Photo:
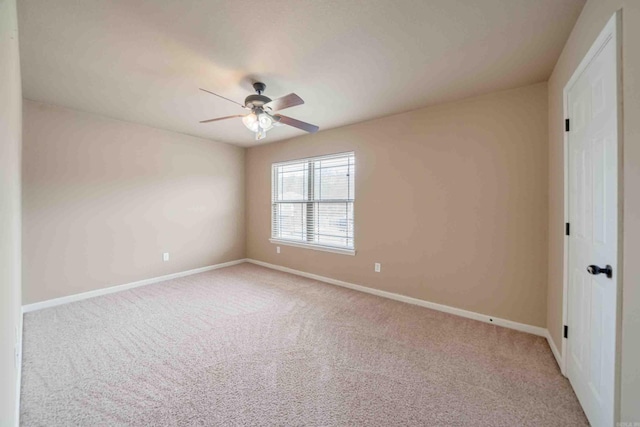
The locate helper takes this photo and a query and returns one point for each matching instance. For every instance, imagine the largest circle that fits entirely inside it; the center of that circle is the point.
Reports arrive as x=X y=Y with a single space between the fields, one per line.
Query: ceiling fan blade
x=221 y=118
x=220 y=96
x=308 y=127
x=286 y=101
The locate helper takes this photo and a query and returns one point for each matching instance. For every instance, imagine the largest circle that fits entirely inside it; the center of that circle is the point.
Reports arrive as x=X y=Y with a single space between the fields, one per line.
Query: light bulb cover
x=251 y=122
x=265 y=121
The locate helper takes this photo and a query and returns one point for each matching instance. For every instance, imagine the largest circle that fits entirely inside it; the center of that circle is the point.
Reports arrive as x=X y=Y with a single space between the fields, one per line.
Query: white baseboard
x=535 y=330
x=554 y=350
x=19 y=379
x=119 y=288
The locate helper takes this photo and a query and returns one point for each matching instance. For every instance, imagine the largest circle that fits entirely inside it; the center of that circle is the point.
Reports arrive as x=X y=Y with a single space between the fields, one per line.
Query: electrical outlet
x=277 y=249
x=165 y=256
x=376 y=267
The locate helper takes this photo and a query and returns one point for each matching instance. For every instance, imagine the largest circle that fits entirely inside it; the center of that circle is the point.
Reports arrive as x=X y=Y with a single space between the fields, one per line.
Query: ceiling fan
x=261 y=118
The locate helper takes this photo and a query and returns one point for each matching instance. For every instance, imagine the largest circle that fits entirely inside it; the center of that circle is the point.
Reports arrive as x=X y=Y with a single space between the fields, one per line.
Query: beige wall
x=103 y=199
x=593 y=18
x=10 y=149
x=452 y=200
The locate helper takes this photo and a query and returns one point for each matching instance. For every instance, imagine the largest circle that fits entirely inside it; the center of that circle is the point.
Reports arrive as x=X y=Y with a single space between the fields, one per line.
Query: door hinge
x=567 y=229
x=567 y=127
x=566 y=331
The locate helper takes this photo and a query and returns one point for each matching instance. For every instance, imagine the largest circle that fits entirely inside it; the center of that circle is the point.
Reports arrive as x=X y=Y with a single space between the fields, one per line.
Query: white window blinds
x=312 y=201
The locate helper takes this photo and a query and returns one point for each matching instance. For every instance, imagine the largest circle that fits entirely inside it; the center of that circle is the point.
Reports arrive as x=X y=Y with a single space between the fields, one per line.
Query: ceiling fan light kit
x=258 y=124
x=261 y=119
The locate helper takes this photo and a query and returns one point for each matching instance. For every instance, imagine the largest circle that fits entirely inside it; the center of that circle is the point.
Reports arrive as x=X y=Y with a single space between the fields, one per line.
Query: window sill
x=314 y=247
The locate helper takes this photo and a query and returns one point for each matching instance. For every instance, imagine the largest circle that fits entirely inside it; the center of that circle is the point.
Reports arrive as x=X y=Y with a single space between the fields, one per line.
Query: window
x=312 y=202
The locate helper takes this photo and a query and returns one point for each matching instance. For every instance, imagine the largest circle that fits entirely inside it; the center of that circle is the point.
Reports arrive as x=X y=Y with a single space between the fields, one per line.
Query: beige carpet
x=246 y=345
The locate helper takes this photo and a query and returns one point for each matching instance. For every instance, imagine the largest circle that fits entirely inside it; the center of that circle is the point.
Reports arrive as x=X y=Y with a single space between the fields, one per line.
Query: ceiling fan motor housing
x=256 y=101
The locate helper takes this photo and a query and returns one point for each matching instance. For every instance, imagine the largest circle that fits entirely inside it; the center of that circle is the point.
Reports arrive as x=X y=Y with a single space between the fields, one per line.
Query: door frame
x=611 y=31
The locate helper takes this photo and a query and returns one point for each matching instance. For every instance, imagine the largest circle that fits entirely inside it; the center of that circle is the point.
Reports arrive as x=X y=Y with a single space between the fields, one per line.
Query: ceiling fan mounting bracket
x=259 y=87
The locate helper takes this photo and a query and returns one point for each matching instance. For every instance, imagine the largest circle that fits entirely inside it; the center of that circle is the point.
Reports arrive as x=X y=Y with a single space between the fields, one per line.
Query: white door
x=592 y=148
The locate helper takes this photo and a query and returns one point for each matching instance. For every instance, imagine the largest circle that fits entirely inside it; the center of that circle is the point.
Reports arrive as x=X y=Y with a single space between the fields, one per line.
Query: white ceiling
x=350 y=60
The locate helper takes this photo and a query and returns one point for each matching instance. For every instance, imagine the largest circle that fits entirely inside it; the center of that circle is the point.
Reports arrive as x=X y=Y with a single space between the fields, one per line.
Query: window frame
x=311 y=176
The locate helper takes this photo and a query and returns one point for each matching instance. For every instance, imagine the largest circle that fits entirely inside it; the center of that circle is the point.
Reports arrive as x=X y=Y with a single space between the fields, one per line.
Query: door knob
x=594 y=269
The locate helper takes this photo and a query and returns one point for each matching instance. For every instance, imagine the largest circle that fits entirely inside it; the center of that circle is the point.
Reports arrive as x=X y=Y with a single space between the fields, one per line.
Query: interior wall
x=592 y=20
x=10 y=152
x=104 y=199
x=451 y=200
